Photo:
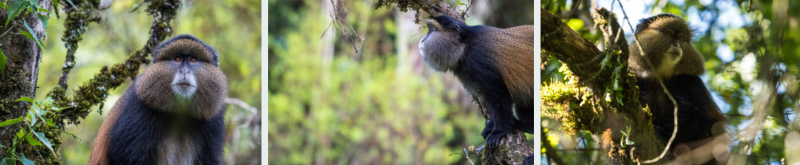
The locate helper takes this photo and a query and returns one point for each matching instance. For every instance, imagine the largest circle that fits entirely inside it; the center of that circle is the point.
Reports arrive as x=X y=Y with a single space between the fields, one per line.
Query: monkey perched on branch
x=172 y=114
x=495 y=65
x=670 y=57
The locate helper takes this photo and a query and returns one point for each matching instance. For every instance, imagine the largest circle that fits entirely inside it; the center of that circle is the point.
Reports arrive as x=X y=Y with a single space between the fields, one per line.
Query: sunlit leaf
x=575 y=24
x=21 y=132
x=11 y=121
x=26 y=99
x=32 y=141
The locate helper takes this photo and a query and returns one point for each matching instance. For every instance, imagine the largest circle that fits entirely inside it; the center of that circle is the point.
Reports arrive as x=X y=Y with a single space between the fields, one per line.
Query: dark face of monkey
x=666 y=42
x=443 y=46
x=184 y=79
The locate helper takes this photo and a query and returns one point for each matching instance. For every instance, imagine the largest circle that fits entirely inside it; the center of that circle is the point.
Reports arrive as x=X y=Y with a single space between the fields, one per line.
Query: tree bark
x=614 y=95
x=21 y=71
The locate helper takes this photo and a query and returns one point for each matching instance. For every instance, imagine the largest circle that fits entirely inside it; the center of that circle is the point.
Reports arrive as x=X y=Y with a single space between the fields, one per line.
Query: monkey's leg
x=525 y=115
x=502 y=122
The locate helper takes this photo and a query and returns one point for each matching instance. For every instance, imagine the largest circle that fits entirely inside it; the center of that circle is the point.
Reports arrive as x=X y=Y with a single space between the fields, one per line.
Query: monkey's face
x=666 y=42
x=442 y=47
x=184 y=78
x=184 y=83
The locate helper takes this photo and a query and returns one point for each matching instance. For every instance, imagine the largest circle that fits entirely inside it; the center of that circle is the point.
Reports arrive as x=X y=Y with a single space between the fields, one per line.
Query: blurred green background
x=737 y=40
x=232 y=27
x=329 y=104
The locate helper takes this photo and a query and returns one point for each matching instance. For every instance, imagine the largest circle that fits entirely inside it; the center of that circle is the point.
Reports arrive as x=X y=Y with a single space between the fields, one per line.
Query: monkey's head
x=666 y=42
x=184 y=79
x=444 y=44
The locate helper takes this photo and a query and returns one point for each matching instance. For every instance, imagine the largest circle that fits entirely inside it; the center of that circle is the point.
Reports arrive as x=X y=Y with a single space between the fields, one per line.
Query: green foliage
x=16 y=7
x=329 y=105
x=35 y=114
x=236 y=36
x=31 y=35
x=768 y=34
x=2 y=62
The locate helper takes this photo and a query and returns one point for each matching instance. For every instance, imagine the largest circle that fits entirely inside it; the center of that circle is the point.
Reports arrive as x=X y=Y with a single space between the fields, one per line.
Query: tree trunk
x=21 y=71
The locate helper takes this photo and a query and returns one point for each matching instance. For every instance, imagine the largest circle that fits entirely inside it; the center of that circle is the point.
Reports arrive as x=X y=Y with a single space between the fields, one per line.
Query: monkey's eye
x=668 y=33
x=177 y=59
x=193 y=59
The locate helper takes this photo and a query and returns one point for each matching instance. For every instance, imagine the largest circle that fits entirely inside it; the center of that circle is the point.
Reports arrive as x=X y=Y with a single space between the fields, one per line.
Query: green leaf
x=55 y=3
x=3 y=5
x=43 y=18
x=32 y=35
x=50 y=122
x=32 y=141
x=45 y=140
x=575 y=24
x=26 y=99
x=74 y=136
x=48 y=100
x=26 y=161
x=32 y=115
x=16 y=8
x=39 y=111
x=70 y=3
x=21 y=133
x=11 y=121
x=62 y=108
x=2 y=62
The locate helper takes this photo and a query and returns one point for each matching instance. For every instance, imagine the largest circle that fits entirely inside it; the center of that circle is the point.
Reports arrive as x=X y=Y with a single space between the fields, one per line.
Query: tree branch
x=607 y=97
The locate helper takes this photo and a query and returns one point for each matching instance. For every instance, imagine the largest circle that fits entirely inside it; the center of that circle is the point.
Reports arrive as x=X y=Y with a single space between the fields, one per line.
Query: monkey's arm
x=213 y=138
x=99 y=153
x=134 y=136
x=697 y=112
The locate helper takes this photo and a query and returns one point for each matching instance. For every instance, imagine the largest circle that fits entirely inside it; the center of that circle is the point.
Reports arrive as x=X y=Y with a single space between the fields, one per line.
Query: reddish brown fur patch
x=99 y=153
x=516 y=61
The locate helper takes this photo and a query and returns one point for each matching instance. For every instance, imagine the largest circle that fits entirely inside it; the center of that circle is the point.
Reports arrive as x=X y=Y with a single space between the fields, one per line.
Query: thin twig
x=674 y=103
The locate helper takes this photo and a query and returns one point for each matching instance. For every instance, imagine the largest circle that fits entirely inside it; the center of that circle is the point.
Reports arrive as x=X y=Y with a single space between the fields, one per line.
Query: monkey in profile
x=665 y=40
x=495 y=65
x=172 y=114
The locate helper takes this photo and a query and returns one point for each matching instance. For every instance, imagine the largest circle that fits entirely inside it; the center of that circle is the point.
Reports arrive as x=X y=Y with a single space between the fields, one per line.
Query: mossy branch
x=600 y=95
x=95 y=91
x=513 y=148
x=432 y=7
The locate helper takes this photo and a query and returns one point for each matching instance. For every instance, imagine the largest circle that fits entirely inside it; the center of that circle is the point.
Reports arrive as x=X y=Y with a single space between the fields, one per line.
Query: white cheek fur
x=422 y=48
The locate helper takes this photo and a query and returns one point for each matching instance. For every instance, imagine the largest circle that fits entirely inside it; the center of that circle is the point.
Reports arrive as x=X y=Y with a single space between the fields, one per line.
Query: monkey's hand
x=497 y=132
x=487 y=129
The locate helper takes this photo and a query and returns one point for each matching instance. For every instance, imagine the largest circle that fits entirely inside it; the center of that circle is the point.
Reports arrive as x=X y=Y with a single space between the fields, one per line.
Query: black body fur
x=140 y=130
